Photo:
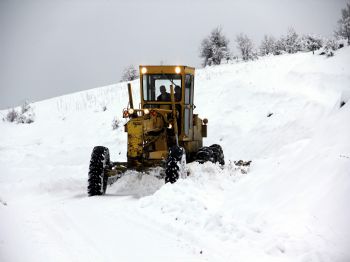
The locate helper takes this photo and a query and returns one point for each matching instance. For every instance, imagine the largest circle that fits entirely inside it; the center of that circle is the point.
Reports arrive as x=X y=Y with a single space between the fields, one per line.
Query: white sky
x=50 y=48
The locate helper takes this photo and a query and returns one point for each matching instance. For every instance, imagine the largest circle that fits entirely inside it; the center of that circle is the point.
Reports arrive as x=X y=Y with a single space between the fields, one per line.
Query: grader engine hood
x=146 y=132
x=135 y=138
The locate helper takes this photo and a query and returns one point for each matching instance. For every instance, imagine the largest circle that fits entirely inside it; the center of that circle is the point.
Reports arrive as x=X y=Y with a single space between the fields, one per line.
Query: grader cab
x=163 y=132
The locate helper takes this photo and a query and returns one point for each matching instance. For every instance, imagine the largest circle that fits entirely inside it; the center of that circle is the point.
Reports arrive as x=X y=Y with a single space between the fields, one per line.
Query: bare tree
x=344 y=24
x=214 y=48
x=130 y=73
x=246 y=47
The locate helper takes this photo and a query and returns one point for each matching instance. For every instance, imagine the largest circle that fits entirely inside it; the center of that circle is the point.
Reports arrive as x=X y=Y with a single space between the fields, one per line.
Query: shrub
x=25 y=116
x=115 y=123
x=11 y=115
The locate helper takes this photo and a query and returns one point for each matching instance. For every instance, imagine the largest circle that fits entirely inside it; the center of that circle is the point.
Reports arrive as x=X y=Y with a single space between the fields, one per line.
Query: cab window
x=153 y=82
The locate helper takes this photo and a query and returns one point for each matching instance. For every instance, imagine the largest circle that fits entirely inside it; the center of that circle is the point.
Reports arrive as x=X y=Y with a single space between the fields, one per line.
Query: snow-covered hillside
x=292 y=205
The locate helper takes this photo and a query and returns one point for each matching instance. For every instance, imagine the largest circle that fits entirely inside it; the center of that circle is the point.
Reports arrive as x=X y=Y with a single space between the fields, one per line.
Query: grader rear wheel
x=205 y=154
x=218 y=154
x=213 y=153
x=97 y=182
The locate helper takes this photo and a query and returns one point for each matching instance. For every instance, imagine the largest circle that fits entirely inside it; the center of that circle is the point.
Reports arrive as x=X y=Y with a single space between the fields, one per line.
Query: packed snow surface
x=283 y=113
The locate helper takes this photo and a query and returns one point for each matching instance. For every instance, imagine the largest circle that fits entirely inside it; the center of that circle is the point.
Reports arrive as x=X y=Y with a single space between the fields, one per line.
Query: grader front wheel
x=175 y=164
x=97 y=182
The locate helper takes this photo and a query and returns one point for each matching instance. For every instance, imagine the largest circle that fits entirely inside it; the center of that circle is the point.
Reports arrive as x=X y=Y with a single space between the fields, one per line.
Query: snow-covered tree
x=267 y=45
x=214 y=48
x=246 y=47
x=330 y=46
x=344 y=24
x=292 y=41
x=129 y=73
x=289 y=43
x=311 y=43
x=280 y=46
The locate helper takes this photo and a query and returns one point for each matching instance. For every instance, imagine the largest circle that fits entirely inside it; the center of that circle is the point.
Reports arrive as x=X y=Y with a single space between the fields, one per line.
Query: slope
x=291 y=206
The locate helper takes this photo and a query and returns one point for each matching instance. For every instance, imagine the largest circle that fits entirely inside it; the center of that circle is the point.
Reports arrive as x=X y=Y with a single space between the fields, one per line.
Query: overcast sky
x=50 y=48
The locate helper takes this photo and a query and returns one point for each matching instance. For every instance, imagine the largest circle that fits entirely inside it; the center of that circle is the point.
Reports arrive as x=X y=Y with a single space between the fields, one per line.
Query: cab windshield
x=156 y=87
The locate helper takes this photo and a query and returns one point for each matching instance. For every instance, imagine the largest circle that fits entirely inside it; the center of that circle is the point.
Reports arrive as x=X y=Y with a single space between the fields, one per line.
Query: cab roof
x=166 y=69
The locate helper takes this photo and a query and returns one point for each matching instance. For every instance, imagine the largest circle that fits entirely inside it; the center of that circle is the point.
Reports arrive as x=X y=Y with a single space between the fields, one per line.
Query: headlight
x=130 y=111
x=125 y=114
x=143 y=70
x=146 y=111
x=177 y=70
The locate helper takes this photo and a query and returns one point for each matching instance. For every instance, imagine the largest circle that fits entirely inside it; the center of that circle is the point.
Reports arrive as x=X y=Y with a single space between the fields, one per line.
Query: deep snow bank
x=291 y=206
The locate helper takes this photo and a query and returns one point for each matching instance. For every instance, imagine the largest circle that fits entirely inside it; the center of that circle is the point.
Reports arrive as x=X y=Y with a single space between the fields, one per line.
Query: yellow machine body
x=159 y=124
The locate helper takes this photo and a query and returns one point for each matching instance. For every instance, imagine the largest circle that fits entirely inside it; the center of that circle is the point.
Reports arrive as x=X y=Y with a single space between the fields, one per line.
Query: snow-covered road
x=77 y=228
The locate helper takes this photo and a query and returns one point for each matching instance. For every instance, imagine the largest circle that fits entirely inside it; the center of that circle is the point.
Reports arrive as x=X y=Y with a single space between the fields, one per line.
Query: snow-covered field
x=292 y=205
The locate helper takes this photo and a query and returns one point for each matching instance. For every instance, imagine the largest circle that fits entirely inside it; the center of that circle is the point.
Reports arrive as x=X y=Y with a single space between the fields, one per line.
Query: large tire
x=218 y=154
x=212 y=154
x=97 y=182
x=171 y=171
x=174 y=164
x=205 y=154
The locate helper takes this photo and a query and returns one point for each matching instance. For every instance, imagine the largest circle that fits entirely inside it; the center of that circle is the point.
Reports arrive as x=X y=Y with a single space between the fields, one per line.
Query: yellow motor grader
x=163 y=132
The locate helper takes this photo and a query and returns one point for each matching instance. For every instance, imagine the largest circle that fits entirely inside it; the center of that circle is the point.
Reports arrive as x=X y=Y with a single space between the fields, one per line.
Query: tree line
x=214 y=48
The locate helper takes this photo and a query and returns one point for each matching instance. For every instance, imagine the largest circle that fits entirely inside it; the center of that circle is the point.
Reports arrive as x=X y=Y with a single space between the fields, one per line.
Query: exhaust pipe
x=131 y=102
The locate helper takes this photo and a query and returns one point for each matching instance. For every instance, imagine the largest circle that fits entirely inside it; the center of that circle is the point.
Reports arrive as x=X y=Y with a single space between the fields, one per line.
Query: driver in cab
x=164 y=95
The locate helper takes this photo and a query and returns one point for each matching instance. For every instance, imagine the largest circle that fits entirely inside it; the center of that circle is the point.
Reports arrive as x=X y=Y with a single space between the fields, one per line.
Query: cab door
x=188 y=105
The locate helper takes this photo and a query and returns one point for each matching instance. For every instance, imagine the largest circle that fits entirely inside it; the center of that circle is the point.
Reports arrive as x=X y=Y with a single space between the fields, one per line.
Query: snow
x=292 y=205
